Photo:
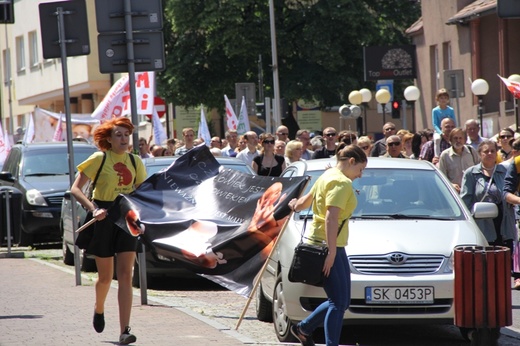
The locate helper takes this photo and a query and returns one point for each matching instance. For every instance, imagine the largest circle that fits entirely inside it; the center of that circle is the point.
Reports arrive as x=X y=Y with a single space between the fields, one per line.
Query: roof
x=415 y=28
x=473 y=11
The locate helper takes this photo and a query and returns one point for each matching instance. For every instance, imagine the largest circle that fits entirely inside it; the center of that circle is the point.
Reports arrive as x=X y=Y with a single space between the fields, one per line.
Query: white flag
x=203 y=128
x=58 y=133
x=117 y=101
x=243 y=119
x=158 y=129
x=5 y=145
x=29 y=131
x=231 y=118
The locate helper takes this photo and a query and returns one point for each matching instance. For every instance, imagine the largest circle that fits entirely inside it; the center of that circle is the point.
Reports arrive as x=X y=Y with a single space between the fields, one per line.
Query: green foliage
x=211 y=45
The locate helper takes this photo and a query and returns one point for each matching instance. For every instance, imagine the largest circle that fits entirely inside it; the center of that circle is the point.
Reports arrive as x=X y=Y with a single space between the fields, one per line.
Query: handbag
x=84 y=237
x=308 y=260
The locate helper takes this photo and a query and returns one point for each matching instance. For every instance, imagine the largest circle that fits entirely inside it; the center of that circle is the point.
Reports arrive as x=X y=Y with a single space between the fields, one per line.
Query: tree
x=211 y=45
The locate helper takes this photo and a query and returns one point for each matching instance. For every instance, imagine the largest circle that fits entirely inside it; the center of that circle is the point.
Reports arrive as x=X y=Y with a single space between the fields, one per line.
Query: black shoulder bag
x=84 y=237
x=309 y=259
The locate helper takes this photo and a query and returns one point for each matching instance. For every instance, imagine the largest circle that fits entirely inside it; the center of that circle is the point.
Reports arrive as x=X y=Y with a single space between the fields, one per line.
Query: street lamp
x=479 y=88
x=367 y=96
x=356 y=98
x=515 y=78
x=412 y=94
x=382 y=97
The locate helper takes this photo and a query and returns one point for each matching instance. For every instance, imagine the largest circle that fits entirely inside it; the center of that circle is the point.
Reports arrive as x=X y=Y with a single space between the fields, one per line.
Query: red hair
x=104 y=131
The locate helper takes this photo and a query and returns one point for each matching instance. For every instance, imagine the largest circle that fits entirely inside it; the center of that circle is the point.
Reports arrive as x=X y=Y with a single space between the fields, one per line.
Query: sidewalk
x=41 y=305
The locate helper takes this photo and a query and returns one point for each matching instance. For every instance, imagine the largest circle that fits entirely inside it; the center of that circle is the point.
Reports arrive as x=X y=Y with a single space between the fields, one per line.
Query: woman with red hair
x=119 y=172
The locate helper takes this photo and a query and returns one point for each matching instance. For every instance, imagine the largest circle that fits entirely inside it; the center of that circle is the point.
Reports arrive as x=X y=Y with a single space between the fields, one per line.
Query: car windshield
x=401 y=194
x=39 y=162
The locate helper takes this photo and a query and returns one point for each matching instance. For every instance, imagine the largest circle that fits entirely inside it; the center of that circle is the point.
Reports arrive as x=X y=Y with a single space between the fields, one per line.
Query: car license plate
x=399 y=295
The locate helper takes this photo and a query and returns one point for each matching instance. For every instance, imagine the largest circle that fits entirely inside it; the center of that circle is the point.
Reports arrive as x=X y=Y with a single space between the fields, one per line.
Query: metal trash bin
x=15 y=214
x=482 y=296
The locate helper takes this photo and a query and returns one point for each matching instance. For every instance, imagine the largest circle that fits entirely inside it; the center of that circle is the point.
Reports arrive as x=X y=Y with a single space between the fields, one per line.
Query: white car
x=402 y=235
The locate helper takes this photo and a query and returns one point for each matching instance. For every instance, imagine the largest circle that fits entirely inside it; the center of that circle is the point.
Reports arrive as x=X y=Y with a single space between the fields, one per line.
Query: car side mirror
x=484 y=210
x=7 y=176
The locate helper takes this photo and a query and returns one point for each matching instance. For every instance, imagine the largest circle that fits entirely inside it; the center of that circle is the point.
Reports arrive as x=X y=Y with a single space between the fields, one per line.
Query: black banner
x=218 y=222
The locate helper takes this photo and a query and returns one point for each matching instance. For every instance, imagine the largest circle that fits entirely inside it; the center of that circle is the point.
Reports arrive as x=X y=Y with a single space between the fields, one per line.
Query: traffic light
x=396 y=109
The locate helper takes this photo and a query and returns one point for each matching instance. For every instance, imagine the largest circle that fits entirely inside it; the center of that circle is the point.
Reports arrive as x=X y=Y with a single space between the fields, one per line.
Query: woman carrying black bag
x=121 y=173
x=334 y=202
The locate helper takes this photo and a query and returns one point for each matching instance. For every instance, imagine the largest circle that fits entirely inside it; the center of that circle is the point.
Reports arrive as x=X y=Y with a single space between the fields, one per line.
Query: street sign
x=76 y=26
x=146 y=15
x=148 y=52
x=454 y=82
x=160 y=107
x=388 y=85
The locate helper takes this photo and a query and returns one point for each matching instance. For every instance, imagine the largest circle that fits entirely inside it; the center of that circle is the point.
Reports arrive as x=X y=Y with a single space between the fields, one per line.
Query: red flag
x=232 y=121
x=512 y=86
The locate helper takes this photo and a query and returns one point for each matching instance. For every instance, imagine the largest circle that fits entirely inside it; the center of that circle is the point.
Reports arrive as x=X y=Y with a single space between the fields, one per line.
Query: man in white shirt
x=472 y=128
x=250 y=152
x=230 y=149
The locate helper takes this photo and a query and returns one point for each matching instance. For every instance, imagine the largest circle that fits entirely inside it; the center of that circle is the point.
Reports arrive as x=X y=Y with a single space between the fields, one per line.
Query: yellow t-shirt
x=117 y=175
x=332 y=189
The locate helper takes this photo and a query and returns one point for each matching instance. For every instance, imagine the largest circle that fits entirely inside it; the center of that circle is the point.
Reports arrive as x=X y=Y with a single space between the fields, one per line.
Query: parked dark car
x=155 y=265
x=41 y=172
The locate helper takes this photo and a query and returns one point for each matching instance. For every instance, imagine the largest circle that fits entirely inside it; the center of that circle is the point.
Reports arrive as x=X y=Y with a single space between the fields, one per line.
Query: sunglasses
x=505 y=136
x=390 y=129
x=330 y=134
x=365 y=147
x=394 y=144
x=283 y=133
x=268 y=141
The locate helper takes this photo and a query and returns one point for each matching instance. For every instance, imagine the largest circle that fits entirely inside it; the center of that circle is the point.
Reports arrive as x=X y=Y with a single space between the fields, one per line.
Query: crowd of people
x=479 y=169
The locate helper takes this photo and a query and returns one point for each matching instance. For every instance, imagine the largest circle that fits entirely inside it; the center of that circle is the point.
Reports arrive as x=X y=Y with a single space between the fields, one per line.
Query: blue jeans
x=330 y=312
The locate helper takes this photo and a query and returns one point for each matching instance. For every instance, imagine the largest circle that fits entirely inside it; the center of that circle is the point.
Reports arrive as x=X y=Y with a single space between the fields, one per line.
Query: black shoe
x=305 y=340
x=99 y=322
x=127 y=338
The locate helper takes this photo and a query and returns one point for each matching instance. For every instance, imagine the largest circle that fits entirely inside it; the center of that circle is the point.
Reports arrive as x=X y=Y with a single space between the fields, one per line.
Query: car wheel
x=282 y=323
x=88 y=264
x=264 y=308
x=68 y=256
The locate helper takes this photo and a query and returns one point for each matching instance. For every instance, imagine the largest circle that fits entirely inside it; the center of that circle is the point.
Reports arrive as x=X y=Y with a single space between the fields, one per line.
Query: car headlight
x=34 y=197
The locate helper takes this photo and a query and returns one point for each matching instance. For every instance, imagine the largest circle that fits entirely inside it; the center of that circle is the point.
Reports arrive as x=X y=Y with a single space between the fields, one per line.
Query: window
x=20 y=54
x=33 y=49
x=446 y=52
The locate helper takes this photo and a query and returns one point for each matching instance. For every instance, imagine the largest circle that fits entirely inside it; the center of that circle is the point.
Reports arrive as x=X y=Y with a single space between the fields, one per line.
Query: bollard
x=482 y=296
x=10 y=218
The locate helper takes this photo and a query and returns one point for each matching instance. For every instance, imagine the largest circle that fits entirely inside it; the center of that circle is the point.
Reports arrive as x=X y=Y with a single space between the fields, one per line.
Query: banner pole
x=260 y=273
x=264 y=267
